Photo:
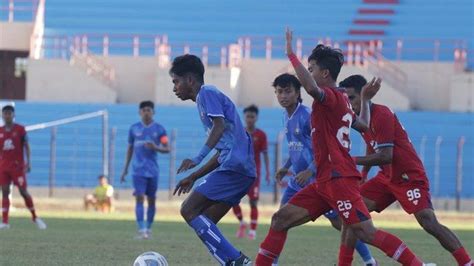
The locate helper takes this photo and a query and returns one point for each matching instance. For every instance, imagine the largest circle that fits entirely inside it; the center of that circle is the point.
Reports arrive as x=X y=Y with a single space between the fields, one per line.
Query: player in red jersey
x=260 y=146
x=337 y=179
x=402 y=176
x=13 y=167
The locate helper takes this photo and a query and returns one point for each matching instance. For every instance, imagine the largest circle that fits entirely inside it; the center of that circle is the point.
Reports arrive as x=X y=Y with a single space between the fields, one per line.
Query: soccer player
x=14 y=165
x=102 y=198
x=145 y=139
x=402 y=176
x=231 y=170
x=337 y=178
x=297 y=120
x=260 y=146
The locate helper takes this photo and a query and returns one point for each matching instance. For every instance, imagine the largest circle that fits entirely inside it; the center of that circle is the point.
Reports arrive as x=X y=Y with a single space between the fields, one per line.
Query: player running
x=231 y=170
x=13 y=166
x=260 y=146
x=145 y=139
x=402 y=176
x=297 y=120
x=337 y=178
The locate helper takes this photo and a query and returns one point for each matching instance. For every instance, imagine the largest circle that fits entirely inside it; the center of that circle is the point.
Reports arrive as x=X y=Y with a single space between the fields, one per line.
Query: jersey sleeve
x=384 y=129
x=162 y=137
x=211 y=103
x=131 y=137
x=328 y=98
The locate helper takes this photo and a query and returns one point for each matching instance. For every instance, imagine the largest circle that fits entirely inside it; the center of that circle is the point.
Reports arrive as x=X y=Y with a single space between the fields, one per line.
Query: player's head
x=103 y=180
x=187 y=74
x=147 y=110
x=251 y=115
x=8 y=114
x=353 y=85
x=287 y=89
x=325 y=63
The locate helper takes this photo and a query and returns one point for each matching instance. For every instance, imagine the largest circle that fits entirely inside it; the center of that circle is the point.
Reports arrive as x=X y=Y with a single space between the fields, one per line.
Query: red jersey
x=386 y=131
x=260 y=145
x=331 y=119
x=11 y=145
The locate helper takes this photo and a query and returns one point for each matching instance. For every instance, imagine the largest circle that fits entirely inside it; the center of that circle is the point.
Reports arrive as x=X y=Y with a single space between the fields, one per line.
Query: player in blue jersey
x=297 y=120
x=145 y=139
x=230 y=172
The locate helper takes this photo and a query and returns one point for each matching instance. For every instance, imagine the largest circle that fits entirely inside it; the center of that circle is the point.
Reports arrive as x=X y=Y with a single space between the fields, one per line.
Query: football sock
x=150 y=214
x=238 y=212
x=393 y=247
x=139 y=213
x=210 y=235
x=271 y=247
x=461 y=256
x=363 y=251
x=253 y=218
x=5 y=208
x=30 y=206
x=346 y=255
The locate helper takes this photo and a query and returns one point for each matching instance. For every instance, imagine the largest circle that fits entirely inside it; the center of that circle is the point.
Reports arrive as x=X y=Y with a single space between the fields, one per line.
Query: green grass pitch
x=99 y=241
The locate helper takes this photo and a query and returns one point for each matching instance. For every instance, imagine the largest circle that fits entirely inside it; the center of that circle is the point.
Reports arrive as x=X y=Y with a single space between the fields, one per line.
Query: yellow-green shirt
x=103 y=192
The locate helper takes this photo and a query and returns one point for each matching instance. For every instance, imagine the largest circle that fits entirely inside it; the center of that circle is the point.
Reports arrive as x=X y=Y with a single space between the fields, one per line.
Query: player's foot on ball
x=242 y=230
x=240 y=261
x=40 y=223
x=252 y=235
x=4 y=226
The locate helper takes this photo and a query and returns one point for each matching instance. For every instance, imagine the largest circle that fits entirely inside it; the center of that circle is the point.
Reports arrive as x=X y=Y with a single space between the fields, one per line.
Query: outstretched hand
x=371 y=88
x=184 y=186
x=186 y=165
x=289 y=40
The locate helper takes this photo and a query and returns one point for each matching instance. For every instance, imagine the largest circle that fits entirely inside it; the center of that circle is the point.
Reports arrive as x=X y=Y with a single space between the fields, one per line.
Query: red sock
x=5 y=208
x=395 y=248
x=346 y=255
x=253 y=218
x=461 y=256
x=30 y=206
x=270 y=248
x=238 y=212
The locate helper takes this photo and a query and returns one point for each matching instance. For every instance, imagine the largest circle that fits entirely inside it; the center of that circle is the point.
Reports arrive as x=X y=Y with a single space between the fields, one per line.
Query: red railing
x=15 y=7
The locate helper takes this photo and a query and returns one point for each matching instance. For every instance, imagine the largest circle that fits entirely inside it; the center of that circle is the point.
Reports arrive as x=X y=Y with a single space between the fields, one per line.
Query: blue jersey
x=298 y=135
x=235 y=145
x=144 y=161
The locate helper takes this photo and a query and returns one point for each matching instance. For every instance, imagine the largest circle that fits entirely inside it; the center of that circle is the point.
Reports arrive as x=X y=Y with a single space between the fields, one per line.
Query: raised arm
x=217 y=130
x=368 y=92
x=307 y=81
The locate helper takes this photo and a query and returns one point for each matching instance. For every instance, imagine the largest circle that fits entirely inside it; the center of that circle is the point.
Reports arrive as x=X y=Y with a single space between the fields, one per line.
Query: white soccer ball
x=150 y=258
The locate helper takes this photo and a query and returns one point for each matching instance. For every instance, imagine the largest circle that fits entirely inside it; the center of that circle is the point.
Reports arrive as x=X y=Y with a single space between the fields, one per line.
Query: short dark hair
x=8 y=108
x=328 y=58
x=287 y=80
x=147 y=104
x=251 y=108
x=188 y=64
x=102 y=176
x=355 y=81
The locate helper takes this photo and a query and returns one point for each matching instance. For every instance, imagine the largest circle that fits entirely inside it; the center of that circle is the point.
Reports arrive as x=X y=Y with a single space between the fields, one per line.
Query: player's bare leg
x=5 y=207
x=252 y=234
x=242 y=230
x=285 y=218
x=427 y=219
x=194 y=210
x=391 y=245
x=29 y=204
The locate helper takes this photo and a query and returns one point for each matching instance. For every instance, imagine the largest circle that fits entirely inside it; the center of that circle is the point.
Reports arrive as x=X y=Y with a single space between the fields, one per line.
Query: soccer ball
x=150 y=258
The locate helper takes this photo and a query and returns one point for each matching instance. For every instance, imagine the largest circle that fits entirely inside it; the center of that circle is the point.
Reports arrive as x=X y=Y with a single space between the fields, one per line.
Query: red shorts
x=254 y=190
x=413 y=196
x=341 y=194
x=13 y=174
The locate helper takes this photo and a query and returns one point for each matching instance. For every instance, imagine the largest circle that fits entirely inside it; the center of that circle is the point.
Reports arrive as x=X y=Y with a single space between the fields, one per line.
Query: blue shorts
x=290 y=192
x=145 y=186
x=225 y=186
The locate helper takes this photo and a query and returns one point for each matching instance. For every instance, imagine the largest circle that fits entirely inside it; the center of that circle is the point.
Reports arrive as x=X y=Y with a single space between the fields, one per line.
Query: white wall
x=54 y=80
x=462 y=93
x=15 y=35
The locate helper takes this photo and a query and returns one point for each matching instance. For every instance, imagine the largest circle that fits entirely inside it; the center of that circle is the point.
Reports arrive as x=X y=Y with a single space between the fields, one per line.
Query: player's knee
x=363 y=232
x=253 y=203
x=428 y=221
x=280 y=221
x=24 y=193
x=151 y=201
x=336 y=223
x=140 y=198
x=186 y=212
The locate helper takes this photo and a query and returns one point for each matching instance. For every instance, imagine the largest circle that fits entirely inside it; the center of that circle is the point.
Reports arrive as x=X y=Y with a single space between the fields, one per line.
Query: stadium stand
x=79 y=144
